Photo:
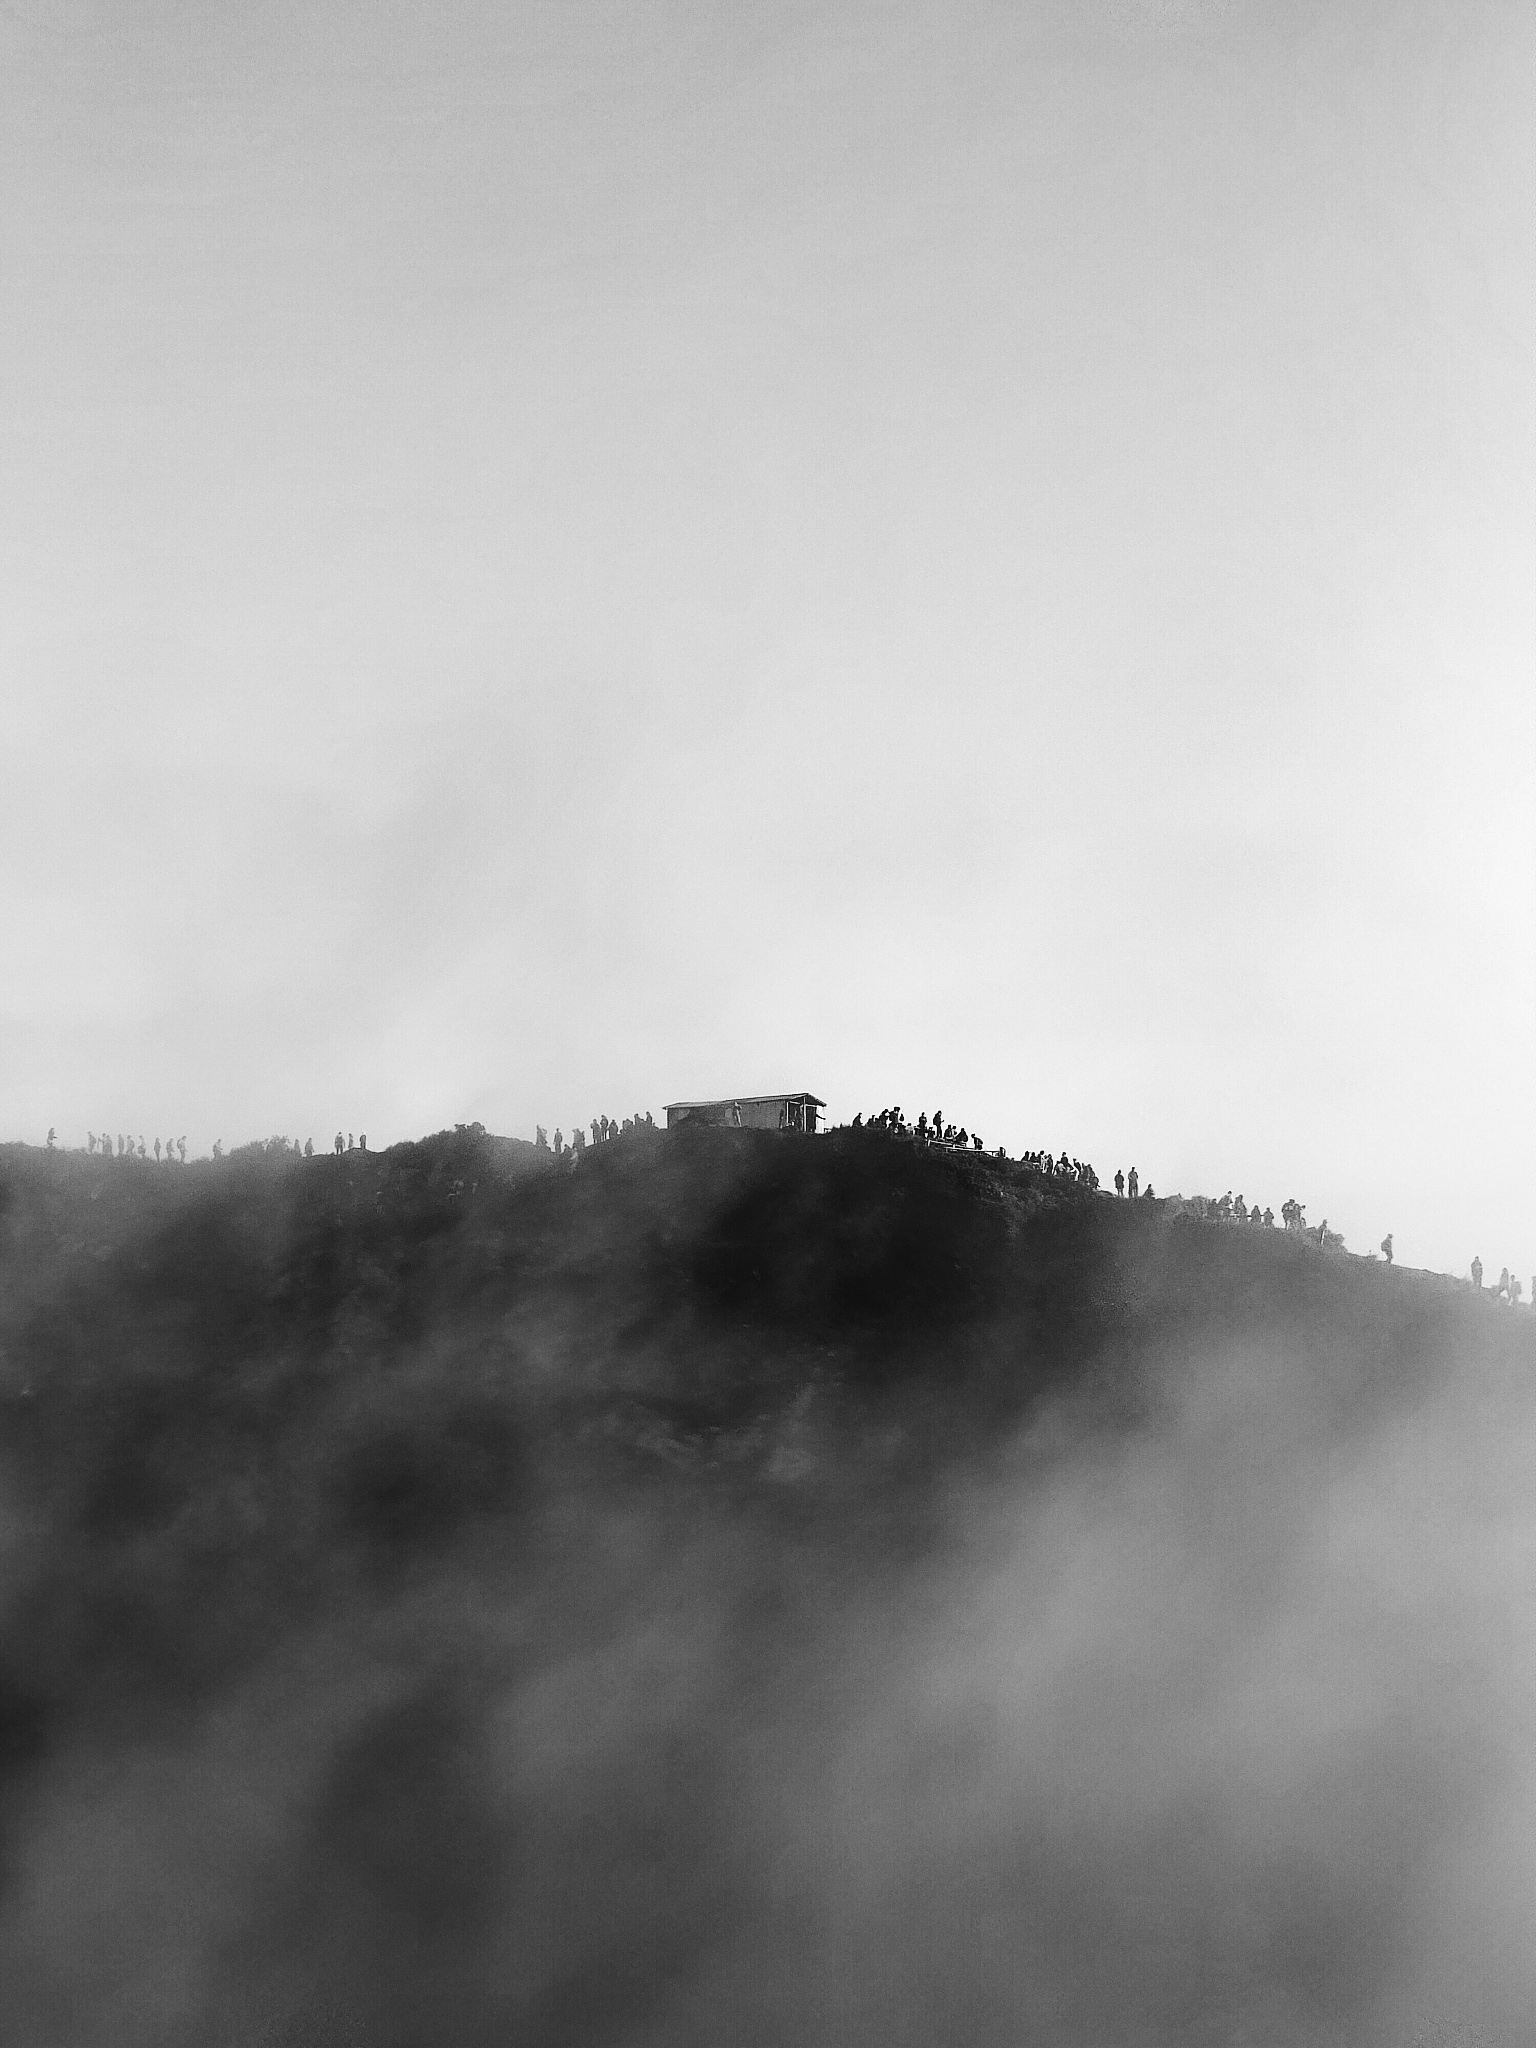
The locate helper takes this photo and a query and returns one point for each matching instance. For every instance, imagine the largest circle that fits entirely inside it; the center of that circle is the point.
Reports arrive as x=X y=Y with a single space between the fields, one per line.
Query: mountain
x=730 y=1587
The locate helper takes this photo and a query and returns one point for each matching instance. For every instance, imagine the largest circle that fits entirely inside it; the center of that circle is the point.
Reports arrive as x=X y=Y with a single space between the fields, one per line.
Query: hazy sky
x=558 y=557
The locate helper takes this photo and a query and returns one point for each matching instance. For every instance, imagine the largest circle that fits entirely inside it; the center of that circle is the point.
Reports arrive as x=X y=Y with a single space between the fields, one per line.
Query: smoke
x=1203 y=1717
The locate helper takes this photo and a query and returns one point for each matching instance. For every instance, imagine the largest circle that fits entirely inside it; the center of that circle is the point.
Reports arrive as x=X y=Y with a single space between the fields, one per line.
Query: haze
x=557 y=557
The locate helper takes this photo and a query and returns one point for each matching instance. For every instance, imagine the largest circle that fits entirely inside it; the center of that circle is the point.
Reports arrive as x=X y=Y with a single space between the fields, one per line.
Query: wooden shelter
x=794 y=1112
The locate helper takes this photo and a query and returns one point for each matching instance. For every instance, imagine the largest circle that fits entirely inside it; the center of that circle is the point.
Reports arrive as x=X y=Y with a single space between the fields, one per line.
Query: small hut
x=750 y=1113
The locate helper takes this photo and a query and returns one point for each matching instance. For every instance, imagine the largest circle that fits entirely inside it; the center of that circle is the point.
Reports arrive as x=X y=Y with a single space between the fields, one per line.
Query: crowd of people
x=1077 y=1170
x=173 y=1151
x=935 y=1131
x=926 y=1131
x=604 y=1130
x=1509 y=1289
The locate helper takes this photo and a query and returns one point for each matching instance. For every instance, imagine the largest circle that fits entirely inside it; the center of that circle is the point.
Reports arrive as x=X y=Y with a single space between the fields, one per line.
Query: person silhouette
x=1477 y=1273
x=341 y=1144
x=1386 y=1247
x=1131 y=1183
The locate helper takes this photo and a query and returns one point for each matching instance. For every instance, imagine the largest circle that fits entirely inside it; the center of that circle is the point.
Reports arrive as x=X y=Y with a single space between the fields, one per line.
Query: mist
x=449 y=1600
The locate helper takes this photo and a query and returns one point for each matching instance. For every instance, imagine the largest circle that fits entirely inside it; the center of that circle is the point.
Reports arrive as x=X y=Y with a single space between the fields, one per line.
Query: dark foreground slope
x=747 y=1590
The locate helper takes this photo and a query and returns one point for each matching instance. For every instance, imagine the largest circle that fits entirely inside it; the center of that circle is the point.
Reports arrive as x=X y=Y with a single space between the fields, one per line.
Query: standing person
x=1131 y=1183
x=1477 y=1274
x=1119 y=1182
x=341 y=1144
x=1386 y=1247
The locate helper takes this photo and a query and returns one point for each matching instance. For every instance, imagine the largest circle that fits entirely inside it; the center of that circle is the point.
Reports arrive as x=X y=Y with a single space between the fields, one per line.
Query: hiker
x=1240 y=1210
x=351 y=1142
x=1322 y=1232
x=157 y=1151
x=309 y=1148
x=1119 y=1182
x=181 y=1150
x=1386 y=1247
x=1477 y=1274
x=362 y=1141
x=559 y=1141
x=539 y=1139
x=1514 y=1291
x=341 y=1144
x=1503 y=1286
x=1131 y=1183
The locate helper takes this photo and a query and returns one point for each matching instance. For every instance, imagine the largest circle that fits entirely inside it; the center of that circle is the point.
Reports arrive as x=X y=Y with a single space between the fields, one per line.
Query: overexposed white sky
x=563 y=556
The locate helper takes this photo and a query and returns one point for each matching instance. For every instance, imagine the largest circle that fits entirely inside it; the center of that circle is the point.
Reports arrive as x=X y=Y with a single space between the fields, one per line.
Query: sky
x=557 y=558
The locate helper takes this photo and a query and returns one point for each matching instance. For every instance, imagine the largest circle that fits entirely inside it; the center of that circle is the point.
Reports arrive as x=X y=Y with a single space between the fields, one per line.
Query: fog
x=1190 y=1704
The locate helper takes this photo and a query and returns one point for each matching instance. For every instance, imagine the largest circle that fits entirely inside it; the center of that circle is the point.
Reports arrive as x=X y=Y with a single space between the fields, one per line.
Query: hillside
x=743 y=1588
